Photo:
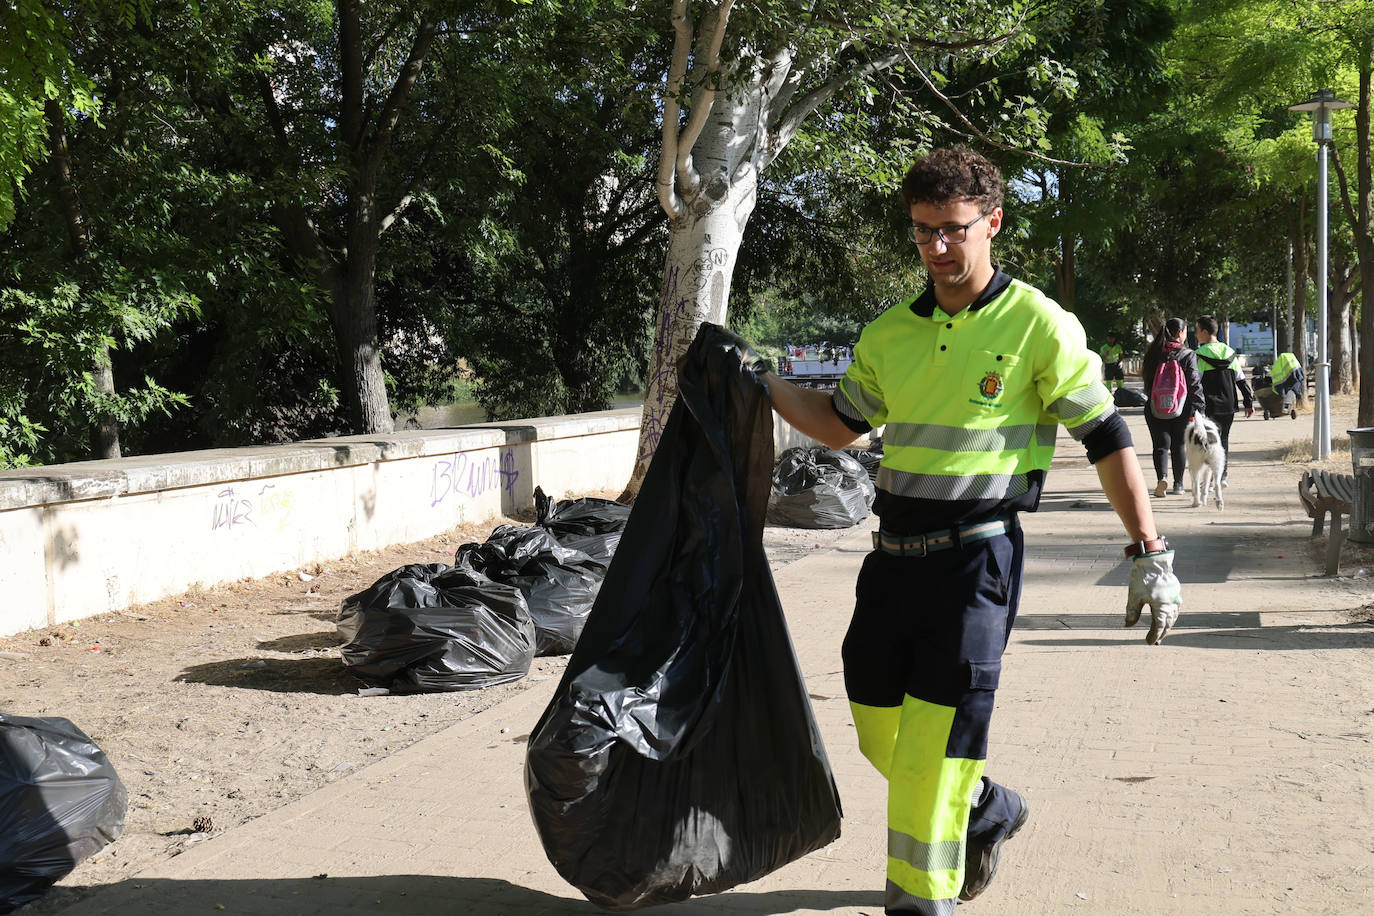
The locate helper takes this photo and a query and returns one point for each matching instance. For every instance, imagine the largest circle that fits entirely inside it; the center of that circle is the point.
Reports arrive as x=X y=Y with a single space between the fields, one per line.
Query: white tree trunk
x=703 y=246
x=708 y=180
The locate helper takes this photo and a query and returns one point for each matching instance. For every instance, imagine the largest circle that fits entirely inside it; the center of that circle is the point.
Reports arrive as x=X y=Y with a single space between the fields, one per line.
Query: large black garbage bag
x=817 y=487
x=431 y=627
x=1128 y=397
x=871 y=459
x=679 y=755
x=588 y=524
x=60 y=802
x=559 y=583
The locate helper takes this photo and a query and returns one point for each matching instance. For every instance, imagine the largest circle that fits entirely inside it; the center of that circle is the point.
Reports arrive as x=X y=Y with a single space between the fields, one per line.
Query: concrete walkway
x=1228 y=771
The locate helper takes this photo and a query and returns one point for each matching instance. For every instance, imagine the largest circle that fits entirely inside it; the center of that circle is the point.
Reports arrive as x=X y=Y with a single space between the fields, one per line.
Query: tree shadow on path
x=418 y=895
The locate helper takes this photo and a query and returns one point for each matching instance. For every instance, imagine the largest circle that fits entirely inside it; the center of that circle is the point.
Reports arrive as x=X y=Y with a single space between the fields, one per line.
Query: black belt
x=918 y=545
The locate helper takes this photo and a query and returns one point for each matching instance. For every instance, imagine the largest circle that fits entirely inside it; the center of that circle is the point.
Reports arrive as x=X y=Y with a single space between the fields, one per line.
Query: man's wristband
x=1155 y=545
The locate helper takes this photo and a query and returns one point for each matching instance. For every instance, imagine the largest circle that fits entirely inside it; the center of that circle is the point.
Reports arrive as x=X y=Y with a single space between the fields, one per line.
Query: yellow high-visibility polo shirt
x=972 y=401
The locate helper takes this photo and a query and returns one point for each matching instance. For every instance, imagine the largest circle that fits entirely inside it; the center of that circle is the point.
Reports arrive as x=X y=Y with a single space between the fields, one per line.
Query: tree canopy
x=232 y=221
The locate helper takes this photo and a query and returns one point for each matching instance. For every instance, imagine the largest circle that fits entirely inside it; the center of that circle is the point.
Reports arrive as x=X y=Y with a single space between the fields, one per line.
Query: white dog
x=1206 y=460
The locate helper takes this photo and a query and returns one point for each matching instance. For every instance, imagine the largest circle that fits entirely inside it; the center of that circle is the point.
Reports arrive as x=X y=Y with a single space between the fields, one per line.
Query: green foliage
x=35 y=66
x=775 y=322
x=525 y=268
x=53 y=341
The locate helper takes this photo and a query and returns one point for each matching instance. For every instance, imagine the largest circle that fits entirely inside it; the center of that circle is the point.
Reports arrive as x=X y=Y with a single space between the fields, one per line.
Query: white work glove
x=1153 y=583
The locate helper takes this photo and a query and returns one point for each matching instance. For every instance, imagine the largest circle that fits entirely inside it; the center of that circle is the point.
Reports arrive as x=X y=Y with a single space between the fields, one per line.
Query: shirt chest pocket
x=995 y=379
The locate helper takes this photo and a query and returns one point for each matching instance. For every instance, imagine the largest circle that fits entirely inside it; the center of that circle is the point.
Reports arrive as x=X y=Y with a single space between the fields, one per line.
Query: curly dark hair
x=953 y=173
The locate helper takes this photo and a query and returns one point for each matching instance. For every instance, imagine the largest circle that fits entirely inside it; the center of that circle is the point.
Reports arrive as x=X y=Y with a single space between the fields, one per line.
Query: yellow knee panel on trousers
x=877 y=729
x=929 y=794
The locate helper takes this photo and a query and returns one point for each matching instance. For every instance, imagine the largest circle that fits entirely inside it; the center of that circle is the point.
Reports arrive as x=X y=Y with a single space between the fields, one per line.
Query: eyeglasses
x=950 y=235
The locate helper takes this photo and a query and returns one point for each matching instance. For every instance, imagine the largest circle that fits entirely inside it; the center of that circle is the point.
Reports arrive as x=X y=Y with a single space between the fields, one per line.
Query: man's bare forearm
x=1121 y=480
x=808 y=411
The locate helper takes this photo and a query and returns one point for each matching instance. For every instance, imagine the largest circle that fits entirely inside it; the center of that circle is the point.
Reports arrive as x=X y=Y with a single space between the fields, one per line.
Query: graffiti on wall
x=460 y=474
x=268 y=509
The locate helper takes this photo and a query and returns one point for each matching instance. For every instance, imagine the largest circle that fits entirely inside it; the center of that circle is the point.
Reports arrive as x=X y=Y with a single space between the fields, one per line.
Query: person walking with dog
x=970 y=378
x=1221 y=379
x=1111 y=353
x=1174 y=388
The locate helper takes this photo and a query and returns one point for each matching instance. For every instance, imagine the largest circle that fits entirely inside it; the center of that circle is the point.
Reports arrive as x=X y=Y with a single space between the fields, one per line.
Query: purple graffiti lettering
x=508 y=472
x=468 y=477
x=442 y=483
x=229 y=512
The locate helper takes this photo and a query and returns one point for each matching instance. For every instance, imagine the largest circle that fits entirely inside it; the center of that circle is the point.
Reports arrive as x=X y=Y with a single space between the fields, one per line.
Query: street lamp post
x=1321 y=104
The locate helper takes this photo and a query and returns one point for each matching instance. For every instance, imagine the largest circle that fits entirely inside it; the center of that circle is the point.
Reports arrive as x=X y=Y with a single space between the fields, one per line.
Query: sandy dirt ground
x=220 y=705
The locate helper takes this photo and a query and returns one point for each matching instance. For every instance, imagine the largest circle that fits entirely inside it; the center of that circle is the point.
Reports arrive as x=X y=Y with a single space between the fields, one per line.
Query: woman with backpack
x=1173 y=387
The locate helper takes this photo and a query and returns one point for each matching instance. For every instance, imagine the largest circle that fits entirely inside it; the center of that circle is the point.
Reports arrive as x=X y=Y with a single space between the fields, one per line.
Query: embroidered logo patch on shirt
x=991 y=385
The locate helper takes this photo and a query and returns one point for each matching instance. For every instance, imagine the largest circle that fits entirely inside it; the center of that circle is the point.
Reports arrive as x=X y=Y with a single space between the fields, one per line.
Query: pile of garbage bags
x=525 y=591
x=60 y=802
x=871 y=458
x=432 y=627
x=679 y=755
x=588 y=524
x=557 y=563
x=1128 y=397
x=818 y=487
x=557 y=582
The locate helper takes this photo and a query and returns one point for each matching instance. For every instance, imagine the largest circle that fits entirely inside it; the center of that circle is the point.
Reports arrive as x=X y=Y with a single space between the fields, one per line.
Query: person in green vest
x=1111 y=353
x=1221 y=377
x=1286 y=374
x=971 y=379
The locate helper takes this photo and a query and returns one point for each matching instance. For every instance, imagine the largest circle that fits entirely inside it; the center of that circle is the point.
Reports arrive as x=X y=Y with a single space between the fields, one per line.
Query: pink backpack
x=1169 y=392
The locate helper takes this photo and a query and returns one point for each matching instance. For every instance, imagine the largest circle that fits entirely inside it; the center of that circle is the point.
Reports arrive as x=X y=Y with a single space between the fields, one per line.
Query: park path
x=1229 y=771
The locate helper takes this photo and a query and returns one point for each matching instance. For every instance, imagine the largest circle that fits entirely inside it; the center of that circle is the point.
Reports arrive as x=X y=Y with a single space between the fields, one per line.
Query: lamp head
x=1321 y=104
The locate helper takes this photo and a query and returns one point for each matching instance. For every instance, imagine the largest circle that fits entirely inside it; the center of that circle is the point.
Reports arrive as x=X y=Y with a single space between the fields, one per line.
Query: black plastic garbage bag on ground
x=431 y=627
x=60 y=802
x=871 y=459
x=588 y=524
x=817 y=487
x=559 y=583
x=679 y=755
x=1128 y=397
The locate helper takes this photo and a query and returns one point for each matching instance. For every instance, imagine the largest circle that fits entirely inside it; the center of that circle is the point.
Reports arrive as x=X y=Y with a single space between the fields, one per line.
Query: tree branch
x=400 y=90
x=928 y=44
x=781 y=66
x=272 y=108
x=387 y=32
x=1346 y=203
x=404 y=202
x=668 y=197
x=351 y=72
x=975 y=132
x=703 y=99
x=792 y=119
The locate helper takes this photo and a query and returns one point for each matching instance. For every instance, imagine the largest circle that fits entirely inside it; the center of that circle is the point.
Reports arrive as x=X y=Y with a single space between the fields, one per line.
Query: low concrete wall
x=98 y=536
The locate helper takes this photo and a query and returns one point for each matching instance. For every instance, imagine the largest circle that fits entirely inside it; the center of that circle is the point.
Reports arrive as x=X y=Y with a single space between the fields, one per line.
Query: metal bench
x=1324 y=492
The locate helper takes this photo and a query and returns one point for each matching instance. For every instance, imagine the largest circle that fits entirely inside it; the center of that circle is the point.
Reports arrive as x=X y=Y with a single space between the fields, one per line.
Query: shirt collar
x=924 y=304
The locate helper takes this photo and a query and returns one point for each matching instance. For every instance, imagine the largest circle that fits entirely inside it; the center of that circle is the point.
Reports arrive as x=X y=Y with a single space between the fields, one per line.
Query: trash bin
x=1362 y=509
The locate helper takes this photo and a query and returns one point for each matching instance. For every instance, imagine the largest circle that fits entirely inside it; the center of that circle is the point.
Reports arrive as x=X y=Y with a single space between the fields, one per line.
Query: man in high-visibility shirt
x=1221 y=376
x=971 y=378
x=1111 y=353
x=1286 y=374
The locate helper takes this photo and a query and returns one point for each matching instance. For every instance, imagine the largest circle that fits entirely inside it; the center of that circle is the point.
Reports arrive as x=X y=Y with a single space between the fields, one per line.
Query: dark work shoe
x=980 y=859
